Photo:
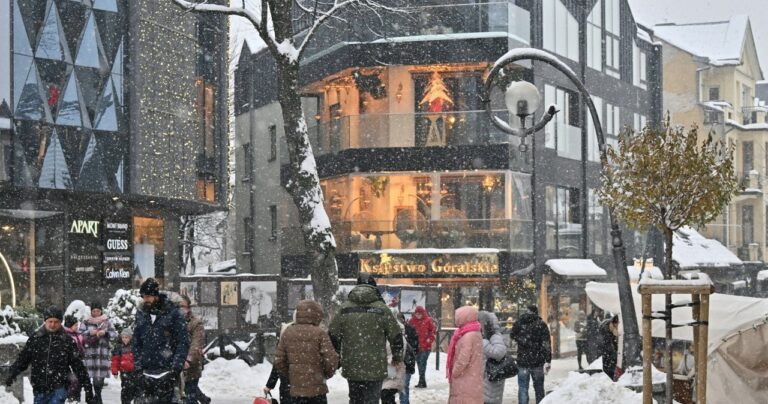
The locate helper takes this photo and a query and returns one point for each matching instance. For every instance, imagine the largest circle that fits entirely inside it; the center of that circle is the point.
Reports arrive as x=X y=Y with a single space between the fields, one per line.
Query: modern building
x=711 y=76
x=422 y=190
x=113 y=125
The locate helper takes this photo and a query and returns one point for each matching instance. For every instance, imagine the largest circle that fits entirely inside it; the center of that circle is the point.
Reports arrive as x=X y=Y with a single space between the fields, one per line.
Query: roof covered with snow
x=575 y=268
x=692 y=250
x=719 y=41
x=762 y=275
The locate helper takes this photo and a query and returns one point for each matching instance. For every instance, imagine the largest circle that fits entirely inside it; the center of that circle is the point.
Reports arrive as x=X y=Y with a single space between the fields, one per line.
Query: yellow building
x=711 y=71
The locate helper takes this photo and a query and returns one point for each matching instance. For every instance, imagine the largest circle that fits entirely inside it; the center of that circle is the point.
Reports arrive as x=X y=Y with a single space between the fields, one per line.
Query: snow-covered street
x=230 y=382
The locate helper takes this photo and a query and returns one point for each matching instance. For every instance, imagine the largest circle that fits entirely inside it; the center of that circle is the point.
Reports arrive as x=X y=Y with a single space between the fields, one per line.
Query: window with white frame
x=595 y=37
x=639 y=122
x=593 y=149
x=561 y=30
x=612 y=124
x=639 y=63
x=612 y=37
x=563 y=134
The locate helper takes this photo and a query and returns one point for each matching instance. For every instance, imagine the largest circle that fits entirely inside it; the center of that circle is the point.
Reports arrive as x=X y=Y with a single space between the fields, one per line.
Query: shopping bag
x=267 y=399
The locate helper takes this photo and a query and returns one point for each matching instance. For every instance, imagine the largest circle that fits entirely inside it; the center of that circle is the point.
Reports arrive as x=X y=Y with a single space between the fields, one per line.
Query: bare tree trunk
x=668 y=307
x=304 y=186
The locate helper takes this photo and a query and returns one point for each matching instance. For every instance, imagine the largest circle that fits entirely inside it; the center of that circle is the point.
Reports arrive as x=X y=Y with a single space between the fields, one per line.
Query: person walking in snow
x=410 y=351
x=71 y=327
x=494 y=348
x=193 y=365
x=609 y=345
x=396 y=371
x=426 y=330
x=464 y=364
x=123 y=365
x=306 y=355
x=534 y=355
x=52 y=355
x=97 y=331
x=360 y=332
x=580 y=328
x=160 y=343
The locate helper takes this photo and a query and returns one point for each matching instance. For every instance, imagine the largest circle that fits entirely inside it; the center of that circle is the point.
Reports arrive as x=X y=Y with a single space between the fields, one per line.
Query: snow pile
x=10 y=333
x=634 y=376
x=233 y=379
x=79 y=309
x=579 y=388
x=121 y=308
x=215 y=352
x=7 y=398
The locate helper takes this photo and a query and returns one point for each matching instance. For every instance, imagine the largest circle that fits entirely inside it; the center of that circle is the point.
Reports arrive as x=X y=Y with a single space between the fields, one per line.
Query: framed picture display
x=229 y=292
x=190 y=290
x=208 y=293
x=258 y=303
x=209 y=315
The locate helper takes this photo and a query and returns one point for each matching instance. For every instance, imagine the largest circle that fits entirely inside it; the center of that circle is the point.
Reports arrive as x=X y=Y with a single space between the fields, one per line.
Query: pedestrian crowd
x=160 y=359
x=160 y=356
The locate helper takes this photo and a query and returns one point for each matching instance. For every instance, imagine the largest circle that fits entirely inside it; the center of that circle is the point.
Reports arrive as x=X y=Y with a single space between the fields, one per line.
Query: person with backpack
x=305 y=353
x=494 y=348
x=426 y=330
x=360 y=332
x=122 y=365
x=534 y=354
x=411 y=349
x=52 y=354
x=97 y=331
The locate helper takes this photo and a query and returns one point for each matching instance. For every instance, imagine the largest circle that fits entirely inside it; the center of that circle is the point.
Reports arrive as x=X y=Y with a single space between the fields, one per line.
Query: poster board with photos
x=229 y=293
x=258 y=304
x=209 y=316
x=190 y=290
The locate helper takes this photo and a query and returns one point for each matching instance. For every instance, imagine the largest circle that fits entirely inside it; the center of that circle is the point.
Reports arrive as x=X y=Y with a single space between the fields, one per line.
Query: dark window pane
x=88 y=54
x=52 y=44
x=55 y=172
x=70 y=108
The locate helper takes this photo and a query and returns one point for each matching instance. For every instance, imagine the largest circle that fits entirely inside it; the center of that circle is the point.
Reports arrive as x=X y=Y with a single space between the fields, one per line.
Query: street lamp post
x=522 y=99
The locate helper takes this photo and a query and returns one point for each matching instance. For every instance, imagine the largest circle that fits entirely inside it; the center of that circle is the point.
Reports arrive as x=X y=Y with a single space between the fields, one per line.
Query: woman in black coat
x=609 y=345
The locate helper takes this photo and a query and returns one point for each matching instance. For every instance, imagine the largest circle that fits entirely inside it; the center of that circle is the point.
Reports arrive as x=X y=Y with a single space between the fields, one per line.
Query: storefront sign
x=84 y=250
x=118 y=258
x=430 y=265
x=90 y=227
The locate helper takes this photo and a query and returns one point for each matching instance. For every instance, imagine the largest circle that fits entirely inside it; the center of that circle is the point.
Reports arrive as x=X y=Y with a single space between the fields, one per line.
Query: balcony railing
x=443 y=21
x=754 y=114
x=405 y=130
x=750 y=182
x=352 y=236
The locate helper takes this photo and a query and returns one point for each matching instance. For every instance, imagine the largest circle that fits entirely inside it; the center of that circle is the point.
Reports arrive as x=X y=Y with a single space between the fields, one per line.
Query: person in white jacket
x=494 y=347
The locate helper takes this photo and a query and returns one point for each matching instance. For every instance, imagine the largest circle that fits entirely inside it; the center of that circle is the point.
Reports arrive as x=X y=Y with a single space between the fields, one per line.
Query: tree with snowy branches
x=666 y=178
x=274 y=22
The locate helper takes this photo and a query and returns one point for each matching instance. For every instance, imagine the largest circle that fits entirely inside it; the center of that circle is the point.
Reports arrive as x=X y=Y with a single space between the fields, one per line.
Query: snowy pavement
x=233 y=382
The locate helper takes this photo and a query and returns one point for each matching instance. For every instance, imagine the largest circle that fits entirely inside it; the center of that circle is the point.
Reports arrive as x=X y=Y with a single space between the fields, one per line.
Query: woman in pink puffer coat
x=465 y=359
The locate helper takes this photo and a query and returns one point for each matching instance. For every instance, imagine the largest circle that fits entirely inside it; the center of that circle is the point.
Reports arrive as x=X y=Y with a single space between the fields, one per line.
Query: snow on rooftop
x=702 y=279
x=719 y=41
x=644 y=35
x=751 y=126
x=762 y=275
x=438 y=251
x=692 y=250
x=720 y=106
x=573 y=267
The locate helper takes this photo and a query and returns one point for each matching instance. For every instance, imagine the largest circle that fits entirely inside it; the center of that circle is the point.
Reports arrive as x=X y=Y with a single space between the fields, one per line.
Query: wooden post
x=647 y=345
x=701 y=351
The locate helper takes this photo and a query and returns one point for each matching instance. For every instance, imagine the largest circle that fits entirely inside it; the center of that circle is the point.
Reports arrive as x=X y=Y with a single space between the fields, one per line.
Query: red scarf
x=464 y=329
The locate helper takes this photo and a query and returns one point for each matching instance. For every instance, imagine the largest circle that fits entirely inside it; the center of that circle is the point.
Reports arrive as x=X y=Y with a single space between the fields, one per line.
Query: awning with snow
x=575 y=268
x=692 y=250
x=762 y=275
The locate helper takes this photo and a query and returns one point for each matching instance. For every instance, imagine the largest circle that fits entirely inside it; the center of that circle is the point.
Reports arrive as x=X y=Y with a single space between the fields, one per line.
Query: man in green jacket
x=360 y=332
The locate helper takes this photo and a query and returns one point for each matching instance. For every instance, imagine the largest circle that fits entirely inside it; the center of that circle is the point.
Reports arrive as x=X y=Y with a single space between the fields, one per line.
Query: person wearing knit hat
x=124 y=365
x=51 y=353
x=160 y=342
x=126 y=333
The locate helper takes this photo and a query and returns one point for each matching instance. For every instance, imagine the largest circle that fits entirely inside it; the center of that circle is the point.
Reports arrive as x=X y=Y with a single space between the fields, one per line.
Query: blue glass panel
x=20 y=39
x=28 y=99
x=106 y=5
x=52 y=43
x=89 y=51
x=71 y=107
x=107 y=119
x=55 y=173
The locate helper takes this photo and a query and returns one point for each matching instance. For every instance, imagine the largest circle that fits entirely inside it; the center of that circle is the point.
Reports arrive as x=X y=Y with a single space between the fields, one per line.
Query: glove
x=89 y=395
x=9 y=381
x=547 y=366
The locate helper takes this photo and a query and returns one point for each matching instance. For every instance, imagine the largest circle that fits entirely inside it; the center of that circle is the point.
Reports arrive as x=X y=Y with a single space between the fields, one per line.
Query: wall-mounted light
x=399 y=93
x=318 y=117
x=489 y=183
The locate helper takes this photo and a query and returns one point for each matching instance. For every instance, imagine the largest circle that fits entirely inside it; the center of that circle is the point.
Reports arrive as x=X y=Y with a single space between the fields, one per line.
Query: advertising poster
x=85 y=261
x=258 y=303
x=118 y=262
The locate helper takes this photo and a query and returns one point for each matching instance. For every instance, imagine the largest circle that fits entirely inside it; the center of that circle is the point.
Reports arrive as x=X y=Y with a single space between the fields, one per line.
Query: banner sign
x=84 y=250
x=118 y=258
x=430 y=265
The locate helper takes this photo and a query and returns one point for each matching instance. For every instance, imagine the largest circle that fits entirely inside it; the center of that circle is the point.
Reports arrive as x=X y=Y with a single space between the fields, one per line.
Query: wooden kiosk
x=699 y=289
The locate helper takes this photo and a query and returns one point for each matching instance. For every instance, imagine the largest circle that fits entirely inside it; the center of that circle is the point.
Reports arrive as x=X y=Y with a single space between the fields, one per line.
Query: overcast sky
x=650 y=12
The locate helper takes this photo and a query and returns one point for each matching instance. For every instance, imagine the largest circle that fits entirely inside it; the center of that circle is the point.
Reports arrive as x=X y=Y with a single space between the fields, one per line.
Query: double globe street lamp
x=522 y=100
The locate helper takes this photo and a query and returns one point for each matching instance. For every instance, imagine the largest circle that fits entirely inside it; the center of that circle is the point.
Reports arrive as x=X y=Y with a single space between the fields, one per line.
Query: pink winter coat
x=467 y=376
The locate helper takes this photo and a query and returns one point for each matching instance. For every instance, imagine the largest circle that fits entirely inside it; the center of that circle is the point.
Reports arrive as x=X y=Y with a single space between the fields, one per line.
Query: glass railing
x=751 y=181
x=430 y=22
x=405 y=130
x=568 y=141
x=351 y=236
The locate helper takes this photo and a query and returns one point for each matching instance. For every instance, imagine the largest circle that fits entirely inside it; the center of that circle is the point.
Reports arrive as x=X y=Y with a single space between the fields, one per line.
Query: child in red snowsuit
x=122 y=363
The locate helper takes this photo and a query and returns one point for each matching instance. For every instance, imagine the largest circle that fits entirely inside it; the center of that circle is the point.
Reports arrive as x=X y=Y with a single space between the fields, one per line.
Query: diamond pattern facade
x=68 y=94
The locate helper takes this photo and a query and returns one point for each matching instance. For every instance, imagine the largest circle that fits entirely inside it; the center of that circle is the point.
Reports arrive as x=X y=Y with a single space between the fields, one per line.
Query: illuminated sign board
x=430 y=265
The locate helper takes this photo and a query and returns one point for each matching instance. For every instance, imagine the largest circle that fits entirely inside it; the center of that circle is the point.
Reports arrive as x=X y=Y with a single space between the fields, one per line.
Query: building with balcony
x=112 y=125
x=711 y=76
x=421 y=188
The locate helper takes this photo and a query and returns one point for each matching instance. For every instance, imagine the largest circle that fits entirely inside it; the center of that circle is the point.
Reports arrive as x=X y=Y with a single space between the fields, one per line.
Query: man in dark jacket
x=534 y=354
x=360 y=332
x=160 y=343
x=608 y=338
x=51 y=353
